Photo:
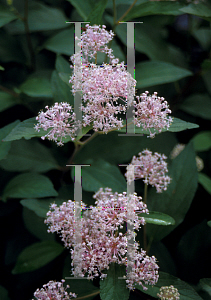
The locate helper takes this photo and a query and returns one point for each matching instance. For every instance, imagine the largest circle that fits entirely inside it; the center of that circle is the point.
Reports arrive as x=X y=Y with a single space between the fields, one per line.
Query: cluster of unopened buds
x=168 y=293
x=101 y=89
x=103 y=240
x=152 y=168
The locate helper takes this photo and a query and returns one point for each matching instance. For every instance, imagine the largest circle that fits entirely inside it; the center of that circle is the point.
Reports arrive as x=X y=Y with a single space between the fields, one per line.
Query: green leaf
x=206 y=66
x=202 y=141
x=37 y=256
x=5 y=146
x=25 y=130
x=11 y=50
x=118 y=148
x=40 y=206
x=1 y=68
x=112 y=287
x=176 y=200
x=40 y=17
x=62 y=65
x=205 y=283
x=154 y=8
x=185 y=290
x=65 y=77
x=84 y=131
x=193 y=243
x=101 y=174
x=176 y=126
x=29 y=185
x=95 y=16
x=29 y=156
x=180 y=125
x=62 y=42
x=83 y=7
x=201 y=10
x=61 y=92
x=205 y=182
x=203 y=36
x=157 y=218
x=4 y=293
x=157 y=72
x=36 y=226
x=209 y=223
x=7 y=100
x=149 y=40
x=198 y=105
x=37 y=86
x=6 y=15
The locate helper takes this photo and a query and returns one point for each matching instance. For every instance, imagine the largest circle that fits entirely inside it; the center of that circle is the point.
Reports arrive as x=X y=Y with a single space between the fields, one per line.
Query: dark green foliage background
x=173 y=57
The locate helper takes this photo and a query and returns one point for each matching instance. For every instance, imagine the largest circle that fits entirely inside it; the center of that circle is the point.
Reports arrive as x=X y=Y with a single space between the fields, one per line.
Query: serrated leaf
x=29 y=185
x=38 y=11
x=185 y=290
x=202 y=141
x=101 y=174
x=62 y=42
x=5 y=146
x=158 y=72
x=198 y=105
x=176 y=200
x=205 y=181
x=37 y=256
x=112 y=287
x=29 y=156
x=157 y=218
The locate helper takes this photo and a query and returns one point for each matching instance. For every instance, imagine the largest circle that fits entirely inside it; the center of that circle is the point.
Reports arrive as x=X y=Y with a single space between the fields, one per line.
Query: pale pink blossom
x=144 y=270
x=102 y=86
x=102 y=241
x=61 y=119
x=54 y=291
x=151 y=112
x=152 y=168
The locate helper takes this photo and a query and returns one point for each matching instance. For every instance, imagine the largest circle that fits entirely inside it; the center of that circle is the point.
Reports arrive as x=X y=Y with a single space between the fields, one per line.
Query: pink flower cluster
x=103 y=239
x=53 y=291
x=62 y=121
x=152 y=168
x=95 y=39
x=151 y=111
x=102 y=88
